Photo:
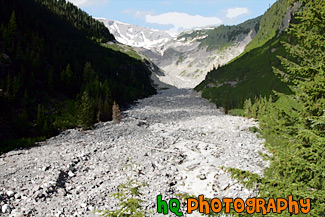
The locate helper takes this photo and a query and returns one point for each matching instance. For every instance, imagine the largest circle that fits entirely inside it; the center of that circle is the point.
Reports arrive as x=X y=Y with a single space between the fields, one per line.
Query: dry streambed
x=177 y=140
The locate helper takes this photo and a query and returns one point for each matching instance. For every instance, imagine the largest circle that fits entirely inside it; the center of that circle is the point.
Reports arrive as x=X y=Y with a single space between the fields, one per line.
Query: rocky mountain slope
x=176 y=140
x=186 y=58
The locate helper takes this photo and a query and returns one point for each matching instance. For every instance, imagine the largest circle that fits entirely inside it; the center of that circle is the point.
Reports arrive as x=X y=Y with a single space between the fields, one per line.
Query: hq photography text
x=250 y=205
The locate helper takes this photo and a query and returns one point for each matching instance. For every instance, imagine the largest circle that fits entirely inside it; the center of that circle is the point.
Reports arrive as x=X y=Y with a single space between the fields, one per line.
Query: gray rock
x=203 y=177
x=17 y=196
x=19 y=215
x=10 y=193
x=46 y=168
x=83 y=205
x=5 y=208
x=71 y=174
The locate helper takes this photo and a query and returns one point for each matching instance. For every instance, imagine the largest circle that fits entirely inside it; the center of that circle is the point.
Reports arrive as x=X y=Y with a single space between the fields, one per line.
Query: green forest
x=281 y=83
x=56 y=72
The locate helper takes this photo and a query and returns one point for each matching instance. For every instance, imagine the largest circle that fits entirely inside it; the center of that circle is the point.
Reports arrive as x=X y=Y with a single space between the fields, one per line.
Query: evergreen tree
x=308 y=77
x=89 y=73
x=67 y=77
x=12 y=29
x=294 y=125
x=86 y=111
x=248 y=107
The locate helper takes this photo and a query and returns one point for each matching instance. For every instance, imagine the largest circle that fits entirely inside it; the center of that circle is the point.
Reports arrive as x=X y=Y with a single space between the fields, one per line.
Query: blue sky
x=175 y=15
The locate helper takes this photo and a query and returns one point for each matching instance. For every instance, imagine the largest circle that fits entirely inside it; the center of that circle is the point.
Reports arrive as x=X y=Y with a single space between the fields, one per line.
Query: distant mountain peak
x=187 y=56
x=137 y=36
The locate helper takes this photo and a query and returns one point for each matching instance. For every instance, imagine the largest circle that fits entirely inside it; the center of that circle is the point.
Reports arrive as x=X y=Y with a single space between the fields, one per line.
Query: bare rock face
x=175 y=140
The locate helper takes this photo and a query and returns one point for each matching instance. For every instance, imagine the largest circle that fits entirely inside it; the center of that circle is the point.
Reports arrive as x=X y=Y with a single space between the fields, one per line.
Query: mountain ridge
x=187 y=57
x=251 y=75
x=134 y=35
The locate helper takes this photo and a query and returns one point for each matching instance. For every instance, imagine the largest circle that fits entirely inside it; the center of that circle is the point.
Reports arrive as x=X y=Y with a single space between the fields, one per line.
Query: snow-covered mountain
x=186 y=58
x=137 y=36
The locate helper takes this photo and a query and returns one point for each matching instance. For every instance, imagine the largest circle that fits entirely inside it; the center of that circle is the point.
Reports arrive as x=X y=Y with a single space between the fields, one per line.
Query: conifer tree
x=12 y=28
x=67 y=77
x=89 y=73
x=295 y=124
x=86 y=111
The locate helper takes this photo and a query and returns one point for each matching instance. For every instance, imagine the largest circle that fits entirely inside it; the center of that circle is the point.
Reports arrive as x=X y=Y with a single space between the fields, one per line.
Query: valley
x=185 y=58
x=67 y=78
x=175 y=140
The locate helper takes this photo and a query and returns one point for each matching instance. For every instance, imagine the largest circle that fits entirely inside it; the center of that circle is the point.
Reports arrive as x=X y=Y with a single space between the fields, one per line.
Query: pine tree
x=116 y=113
x=12 y=29
x=104 y=110
x=8 y=86
x=89 y=73
x=248 y=107
x=39 y=119
x=295 y=124
x=67 y=77
x=85 y=111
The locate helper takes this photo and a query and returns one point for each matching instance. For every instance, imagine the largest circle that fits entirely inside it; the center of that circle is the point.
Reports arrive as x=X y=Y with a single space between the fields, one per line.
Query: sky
x=175 y=15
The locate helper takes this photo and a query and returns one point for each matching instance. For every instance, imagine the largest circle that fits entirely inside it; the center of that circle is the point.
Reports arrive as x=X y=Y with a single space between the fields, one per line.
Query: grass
x=237 y=112
x=123 y=49
x=254 y=129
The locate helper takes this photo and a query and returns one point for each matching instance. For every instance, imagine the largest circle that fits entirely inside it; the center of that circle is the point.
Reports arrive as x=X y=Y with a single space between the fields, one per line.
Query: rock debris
x=176 y=140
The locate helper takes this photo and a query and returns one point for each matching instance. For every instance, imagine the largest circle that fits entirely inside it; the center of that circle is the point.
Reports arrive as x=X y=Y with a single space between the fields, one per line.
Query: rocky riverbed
x=175 y=140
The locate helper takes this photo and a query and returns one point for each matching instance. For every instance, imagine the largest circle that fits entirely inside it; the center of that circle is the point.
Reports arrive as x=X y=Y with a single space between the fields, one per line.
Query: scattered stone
x=175 y=138
x=10 y=193
x=46 y=168
x=17 y=196
x=5 y=208
x=71 y=174
x=203 y=177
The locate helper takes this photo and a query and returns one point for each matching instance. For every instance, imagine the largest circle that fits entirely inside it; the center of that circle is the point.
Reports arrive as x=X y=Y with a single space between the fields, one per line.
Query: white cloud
x=88 y=2
x=78 y=2
x=182 y=20
x=235 y=12
x=137 y=14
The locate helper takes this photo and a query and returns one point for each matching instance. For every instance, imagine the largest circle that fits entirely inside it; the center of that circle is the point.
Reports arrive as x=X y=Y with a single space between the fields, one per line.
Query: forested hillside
x=294 y=124
x=251 y=75
x=54 y=74
x=79 y=19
